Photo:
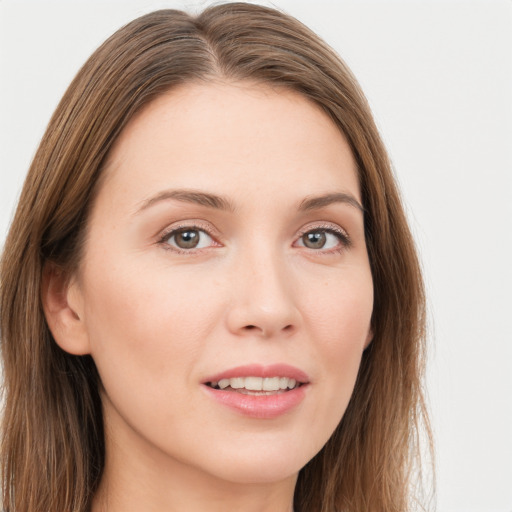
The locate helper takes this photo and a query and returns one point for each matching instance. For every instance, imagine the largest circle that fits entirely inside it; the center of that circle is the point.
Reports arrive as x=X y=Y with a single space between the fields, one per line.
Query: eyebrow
x=318 y=202
x=222 y=203
x=189 y=196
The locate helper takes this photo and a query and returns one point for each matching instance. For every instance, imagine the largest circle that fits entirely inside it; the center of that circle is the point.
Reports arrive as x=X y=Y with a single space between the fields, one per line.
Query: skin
x=158 y=319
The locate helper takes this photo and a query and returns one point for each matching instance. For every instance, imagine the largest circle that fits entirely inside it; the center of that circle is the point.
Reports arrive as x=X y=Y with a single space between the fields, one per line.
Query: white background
x=438 y=75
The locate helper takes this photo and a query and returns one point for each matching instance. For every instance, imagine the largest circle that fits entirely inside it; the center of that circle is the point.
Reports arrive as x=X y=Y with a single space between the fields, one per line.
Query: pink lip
x=260 y=406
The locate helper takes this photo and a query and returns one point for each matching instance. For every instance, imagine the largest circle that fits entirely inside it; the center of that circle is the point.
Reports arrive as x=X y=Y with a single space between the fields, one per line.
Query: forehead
x=228 y=136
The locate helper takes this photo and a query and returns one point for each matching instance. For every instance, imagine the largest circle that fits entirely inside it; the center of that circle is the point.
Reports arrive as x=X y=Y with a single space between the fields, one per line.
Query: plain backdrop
x=438 y=75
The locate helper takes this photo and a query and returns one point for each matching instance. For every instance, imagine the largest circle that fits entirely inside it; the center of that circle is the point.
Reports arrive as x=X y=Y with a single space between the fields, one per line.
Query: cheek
x=339 y=312
x=339 y=324
x=144 y=325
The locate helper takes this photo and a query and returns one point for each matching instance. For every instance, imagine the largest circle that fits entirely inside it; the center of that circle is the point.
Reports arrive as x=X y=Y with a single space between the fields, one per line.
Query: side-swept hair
x=52 y=439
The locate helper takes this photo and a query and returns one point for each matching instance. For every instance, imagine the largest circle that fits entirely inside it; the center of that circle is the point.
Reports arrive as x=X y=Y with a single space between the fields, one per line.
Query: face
x=225 y=291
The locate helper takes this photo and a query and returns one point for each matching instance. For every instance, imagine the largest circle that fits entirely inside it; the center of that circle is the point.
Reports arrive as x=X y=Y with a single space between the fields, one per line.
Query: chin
x=263 y=463
x=259 y=474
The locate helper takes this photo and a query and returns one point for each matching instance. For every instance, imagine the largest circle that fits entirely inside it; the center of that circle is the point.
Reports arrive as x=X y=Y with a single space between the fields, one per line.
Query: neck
x=185 y=490
x=140 y=477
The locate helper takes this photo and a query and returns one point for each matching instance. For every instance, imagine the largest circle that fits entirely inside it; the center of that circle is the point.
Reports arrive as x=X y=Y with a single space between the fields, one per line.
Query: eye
x=323 y=239
x=187 y=238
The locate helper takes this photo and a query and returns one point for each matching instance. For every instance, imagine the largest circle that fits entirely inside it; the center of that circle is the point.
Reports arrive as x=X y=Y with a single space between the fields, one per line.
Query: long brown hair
x=52 y=439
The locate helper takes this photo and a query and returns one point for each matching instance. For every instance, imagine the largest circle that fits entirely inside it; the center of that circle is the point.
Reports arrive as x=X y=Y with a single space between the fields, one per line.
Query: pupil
x=314 y=240
x=187 y=239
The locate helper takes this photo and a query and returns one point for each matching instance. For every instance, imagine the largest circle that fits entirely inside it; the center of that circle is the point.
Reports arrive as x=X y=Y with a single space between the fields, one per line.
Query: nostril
x=255 y=329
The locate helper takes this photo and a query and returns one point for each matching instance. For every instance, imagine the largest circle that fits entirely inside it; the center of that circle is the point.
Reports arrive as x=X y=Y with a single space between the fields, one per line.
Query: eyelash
x=340 y=234
x=166 y=235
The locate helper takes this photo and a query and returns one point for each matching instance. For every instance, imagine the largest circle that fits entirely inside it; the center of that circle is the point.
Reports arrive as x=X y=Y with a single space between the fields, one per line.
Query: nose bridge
x=263 y=300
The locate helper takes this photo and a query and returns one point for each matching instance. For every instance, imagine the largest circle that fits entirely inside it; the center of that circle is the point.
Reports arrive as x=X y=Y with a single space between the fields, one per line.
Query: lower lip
x=259 y=406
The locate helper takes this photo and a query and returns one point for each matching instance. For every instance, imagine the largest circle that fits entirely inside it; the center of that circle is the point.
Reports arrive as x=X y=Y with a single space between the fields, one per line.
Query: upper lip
x=259 y=370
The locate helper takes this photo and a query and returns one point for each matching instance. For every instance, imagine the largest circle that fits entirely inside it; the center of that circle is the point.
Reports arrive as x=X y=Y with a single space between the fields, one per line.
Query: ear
x=63 y=307
x=369 y=338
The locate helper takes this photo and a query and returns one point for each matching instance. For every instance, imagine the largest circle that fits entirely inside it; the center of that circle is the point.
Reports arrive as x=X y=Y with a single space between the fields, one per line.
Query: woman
x=210 y=297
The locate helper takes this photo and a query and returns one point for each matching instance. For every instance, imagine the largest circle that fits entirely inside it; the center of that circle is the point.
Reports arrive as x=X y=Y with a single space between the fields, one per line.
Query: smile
x=262 y=392
x=256 y=385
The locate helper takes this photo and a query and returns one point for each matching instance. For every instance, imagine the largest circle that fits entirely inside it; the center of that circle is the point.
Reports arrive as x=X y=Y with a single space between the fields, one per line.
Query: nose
x=263 y=300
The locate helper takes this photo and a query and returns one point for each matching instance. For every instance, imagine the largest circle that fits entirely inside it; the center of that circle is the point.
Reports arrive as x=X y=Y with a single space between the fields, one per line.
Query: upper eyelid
x=327 y=226
x=198 y=224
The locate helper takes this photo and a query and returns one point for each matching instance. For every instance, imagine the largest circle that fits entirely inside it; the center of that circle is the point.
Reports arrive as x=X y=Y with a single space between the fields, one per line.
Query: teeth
x=256 y=383
x=236 y=383
x=271 y=384
x=223 y=383
x=253 y=383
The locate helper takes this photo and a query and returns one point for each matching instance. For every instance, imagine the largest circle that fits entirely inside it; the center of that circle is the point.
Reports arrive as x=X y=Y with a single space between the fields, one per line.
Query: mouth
x=256 y=386
x=260 y=392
